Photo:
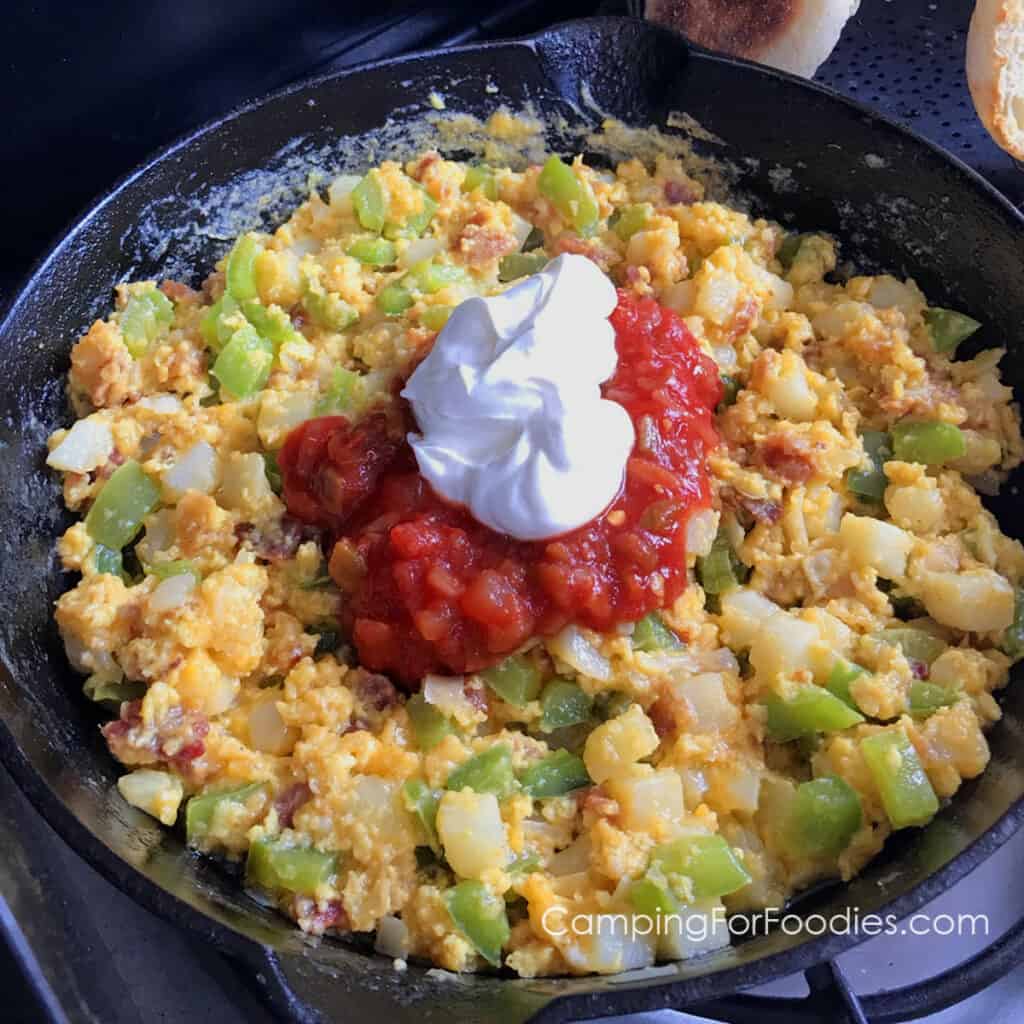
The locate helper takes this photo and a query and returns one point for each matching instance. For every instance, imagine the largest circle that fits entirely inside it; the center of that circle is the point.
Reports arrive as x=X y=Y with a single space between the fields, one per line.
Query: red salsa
x=432 y=590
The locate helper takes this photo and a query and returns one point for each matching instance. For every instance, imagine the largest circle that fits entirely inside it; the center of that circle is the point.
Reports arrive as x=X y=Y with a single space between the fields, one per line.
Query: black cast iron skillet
x=817 y=161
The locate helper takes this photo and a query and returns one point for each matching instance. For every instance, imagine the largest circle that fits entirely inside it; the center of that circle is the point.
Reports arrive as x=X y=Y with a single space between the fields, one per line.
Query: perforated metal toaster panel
x=905 y=58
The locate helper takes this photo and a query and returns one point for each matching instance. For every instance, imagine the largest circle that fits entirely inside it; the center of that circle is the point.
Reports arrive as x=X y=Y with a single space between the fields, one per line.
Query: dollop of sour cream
x=508 y=402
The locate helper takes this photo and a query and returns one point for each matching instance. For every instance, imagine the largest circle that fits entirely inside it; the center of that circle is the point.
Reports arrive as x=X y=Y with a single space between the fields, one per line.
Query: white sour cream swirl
x=508 y=402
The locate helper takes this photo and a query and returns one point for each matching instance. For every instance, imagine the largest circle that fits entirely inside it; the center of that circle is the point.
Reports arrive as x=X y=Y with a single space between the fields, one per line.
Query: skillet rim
x=650 y=994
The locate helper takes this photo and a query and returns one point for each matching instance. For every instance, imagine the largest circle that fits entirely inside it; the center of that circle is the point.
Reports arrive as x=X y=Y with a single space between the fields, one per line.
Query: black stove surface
x=91 y=89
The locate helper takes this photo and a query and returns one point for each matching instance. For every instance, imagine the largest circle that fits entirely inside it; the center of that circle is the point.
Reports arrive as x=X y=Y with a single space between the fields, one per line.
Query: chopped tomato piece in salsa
x=433 y=590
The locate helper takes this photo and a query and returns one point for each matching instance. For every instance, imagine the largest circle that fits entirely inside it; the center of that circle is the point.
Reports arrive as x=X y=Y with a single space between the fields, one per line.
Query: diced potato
x=743 y=612
x=734 y=787
x=267 y=730
x=472 y=833
x=873 y=544
x=197 y=470
x=647 y=799
x=244 y=486
x=278 y=278
x=378 y=804
x=280 y=411
x=157 y=793
x=814 y=259
x=976 y=601
x=787 y=387
x=85 y=447
x=707 y=702
x=918 y=508
x=693 y=930
x=620 y=742
x=606 y=945
x=701 y=528
x=785 y=645
x=718 y=293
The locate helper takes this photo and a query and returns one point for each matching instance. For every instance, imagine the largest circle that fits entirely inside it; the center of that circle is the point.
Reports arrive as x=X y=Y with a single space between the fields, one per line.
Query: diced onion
x=267 y=730
x=197 y=470
x=163 y=404
x=577 y=651
x=392 y=937
x=573 y=859
x=419 y=250
x=339 y=189
x=156 y=793
x=701 y=529
x=521 y=229
x=172 y=593
x=448 y=695
x=86 y=446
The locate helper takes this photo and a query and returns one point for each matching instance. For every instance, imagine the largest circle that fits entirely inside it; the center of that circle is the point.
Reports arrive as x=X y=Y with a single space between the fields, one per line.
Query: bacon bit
x=761 y=509
x=280 y=544
x=787 y=458
x=595 y=251
x=298 y=319
x=356 y=725
x=426 y=161
x=742 y=320
x=680 y=192
x=289 y=801
x=178 y=292
x=314 y=918
x=213 y=286
x=919 y=668
x=482 y=245
x=177 y=740
x=105 y=471
x=374 y=690
x=597 y=801
x=662 y=714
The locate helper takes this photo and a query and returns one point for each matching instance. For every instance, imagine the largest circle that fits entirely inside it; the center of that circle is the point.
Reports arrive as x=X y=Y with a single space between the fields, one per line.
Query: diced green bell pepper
x=435 y=317
x=328 y=309
x=651 y=634
x=788 y=250
x=720 y=570
x=342 y=395
x=394 y=299
x=479 y=176
x=272 y=323
x=112 y=692
x=415 y=225
x=823 y=817
x=1013 y=638
x=521 y=264
x=273 y=472
x=930 y=442
x=632 y=219
x=176 y=567
x=907 y=795
x=869 y=484
x=274 y=864
x=240 y=272
x=428 y=277
x=124 y=501
x=429 y=726
x=516 y=680
x=244 y=364
x=490 y=771
x=563 y=704
x=838 y=683
x=611 y=704
x=651 y=899
x=145 y=314
x=915 y=644
x=811 y=709
x=421 y=802
x=948 y=328
x=108 y=561
x=219 y=322
x=370 y=202
x=555 y=775
x=926 y=698
x=708 y=861
x=481 y=917
x=200 y=810
x=374 y=252
x=571 y=197
x=731 y=388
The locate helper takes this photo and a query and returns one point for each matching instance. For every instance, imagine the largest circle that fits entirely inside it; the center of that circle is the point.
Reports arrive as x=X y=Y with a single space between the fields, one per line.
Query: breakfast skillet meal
x=485 y=553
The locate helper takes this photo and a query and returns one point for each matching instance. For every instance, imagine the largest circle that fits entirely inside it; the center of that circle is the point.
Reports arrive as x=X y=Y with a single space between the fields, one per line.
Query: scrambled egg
x=211 y=635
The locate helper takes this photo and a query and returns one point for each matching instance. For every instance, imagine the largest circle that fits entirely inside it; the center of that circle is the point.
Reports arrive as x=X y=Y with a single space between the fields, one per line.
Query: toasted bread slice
x=794 y=35
x=995 y=70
